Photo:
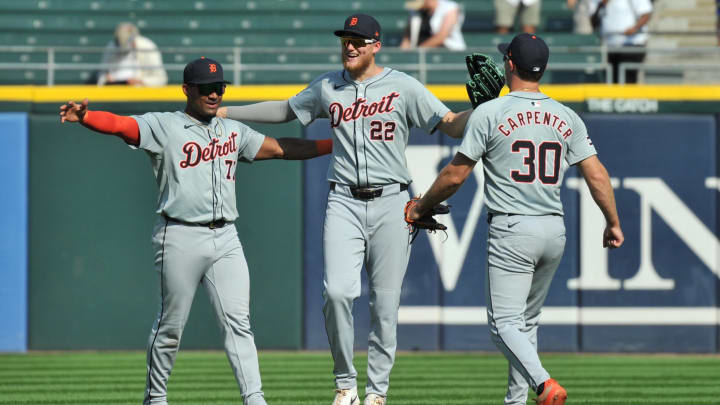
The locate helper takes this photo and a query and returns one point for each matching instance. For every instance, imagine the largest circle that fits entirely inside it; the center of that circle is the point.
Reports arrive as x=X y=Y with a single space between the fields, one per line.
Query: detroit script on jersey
x=370 y=122
x=360 y=108
x=194 y=152
x=195 y=163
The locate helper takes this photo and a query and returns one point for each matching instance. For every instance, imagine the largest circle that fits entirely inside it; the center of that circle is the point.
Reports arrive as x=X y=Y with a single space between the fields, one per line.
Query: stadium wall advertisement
x=657 y=293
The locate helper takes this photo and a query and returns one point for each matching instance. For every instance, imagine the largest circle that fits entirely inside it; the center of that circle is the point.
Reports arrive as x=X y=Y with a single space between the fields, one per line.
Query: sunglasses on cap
x=356 y=42
x=210 y=88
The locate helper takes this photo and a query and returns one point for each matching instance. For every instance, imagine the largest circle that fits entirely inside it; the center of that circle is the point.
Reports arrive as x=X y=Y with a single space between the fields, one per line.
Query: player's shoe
x=346 y=396
x=553 y=394
x=374 y=399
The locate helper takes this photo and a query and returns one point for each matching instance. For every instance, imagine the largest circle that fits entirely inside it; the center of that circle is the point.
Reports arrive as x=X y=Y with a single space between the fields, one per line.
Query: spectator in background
x=718 y=21
x=624 y=24
x=581 y=16
x=528 y=11
x=132 y=59
x=434 y=23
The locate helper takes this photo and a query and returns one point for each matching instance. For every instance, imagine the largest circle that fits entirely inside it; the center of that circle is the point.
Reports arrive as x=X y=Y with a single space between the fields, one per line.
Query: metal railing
x=644 y=68
x=238 y=60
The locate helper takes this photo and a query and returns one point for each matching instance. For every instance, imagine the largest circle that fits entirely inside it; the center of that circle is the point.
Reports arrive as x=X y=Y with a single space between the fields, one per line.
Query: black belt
x=490 y=215
x=218 y=223
x=368 y=193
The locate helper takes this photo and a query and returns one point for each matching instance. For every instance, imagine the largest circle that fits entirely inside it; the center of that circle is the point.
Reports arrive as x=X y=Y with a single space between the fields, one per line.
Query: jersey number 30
x=527 y=148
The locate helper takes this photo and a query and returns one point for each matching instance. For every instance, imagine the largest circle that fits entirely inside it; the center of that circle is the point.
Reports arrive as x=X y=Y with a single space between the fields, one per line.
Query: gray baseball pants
x=186 y=256
x=523 y=255
x=374 y=233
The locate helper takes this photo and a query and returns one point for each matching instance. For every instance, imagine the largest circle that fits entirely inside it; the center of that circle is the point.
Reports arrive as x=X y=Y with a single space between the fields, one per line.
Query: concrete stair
x=688 y=27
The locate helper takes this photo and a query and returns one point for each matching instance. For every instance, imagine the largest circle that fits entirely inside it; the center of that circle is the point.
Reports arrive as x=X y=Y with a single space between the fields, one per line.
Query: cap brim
x=208 y=81
x=347 y=33
x=503 y=47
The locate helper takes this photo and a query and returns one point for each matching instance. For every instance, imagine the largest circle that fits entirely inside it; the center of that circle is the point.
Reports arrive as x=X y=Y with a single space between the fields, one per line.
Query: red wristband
x=108 y=123
x=324 y=146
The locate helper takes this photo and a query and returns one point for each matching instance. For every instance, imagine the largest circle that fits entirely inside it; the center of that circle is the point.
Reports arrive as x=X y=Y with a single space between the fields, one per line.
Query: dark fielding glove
x=426 y=221
x=486 y=78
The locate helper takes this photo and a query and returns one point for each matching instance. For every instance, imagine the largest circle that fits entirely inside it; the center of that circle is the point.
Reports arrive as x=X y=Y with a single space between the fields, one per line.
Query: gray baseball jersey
x=188 y=155
x=194 y=165
x=371 y=121
x=522 y=139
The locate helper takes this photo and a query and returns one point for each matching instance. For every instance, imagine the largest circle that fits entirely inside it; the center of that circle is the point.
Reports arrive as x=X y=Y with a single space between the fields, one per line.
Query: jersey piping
x=384 y=74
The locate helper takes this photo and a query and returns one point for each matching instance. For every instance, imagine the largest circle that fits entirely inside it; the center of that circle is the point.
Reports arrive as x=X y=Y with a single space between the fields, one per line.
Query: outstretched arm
x=453 y=124
x=447 y=183
x=269 y=112
x=293 y=148
x=101 y=121
x=598 y=180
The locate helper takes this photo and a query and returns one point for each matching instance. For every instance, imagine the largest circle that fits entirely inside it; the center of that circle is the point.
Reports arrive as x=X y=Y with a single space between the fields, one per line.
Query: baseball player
x=194 y=155
x=370 y=109
x=523 y=139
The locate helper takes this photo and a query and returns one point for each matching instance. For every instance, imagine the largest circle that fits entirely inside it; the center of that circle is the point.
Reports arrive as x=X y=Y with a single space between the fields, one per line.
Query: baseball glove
x=486 y=78
x=427 y=221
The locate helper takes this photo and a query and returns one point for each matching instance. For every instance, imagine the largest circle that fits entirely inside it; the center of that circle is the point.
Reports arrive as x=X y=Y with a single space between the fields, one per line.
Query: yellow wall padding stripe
x=563 y=93
x=582 y=92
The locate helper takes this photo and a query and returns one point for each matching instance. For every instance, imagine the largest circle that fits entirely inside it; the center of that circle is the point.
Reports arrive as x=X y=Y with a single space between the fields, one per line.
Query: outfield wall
x=657 y=293
x=86 y=254
x=13 y=232
x=91 y=201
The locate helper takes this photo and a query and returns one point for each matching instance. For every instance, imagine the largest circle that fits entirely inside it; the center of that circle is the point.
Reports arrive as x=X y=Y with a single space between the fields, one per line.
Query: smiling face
x=358 y=55
x=203 y=100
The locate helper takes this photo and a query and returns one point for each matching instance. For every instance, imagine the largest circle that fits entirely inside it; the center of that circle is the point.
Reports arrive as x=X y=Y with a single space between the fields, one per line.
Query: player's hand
x=613 y=237
x=412 y=213
x=221 y=112
x=73 y=112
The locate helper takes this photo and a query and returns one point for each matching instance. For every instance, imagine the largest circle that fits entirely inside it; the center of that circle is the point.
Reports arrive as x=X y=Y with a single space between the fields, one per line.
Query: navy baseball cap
x=203 y=71
x=361 y=26
x=527 y=51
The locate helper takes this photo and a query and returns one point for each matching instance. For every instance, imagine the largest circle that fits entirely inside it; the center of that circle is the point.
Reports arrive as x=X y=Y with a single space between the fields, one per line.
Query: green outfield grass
x=306 y=378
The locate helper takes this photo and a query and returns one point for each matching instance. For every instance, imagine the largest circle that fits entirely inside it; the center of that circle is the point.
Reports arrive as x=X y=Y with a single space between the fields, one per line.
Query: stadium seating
x=184 y=29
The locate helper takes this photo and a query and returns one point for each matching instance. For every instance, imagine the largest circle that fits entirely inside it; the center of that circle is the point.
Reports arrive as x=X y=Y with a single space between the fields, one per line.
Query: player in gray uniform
x=523 y=140
x=371 y=109
x=194 y=155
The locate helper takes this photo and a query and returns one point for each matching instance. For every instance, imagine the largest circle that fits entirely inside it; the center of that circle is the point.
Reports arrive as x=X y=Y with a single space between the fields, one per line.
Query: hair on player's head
x=529 y=76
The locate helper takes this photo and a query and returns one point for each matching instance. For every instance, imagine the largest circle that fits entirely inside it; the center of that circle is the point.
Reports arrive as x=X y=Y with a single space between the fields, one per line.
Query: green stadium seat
x=96 y=39
x=75 y=76
x=22 y=76
x=552 y=39
x=279 y=77
x=77 y=57
x=23 y=57
x=568 y=77
x=554 y=16
x=244 y=6
x=185 y=29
